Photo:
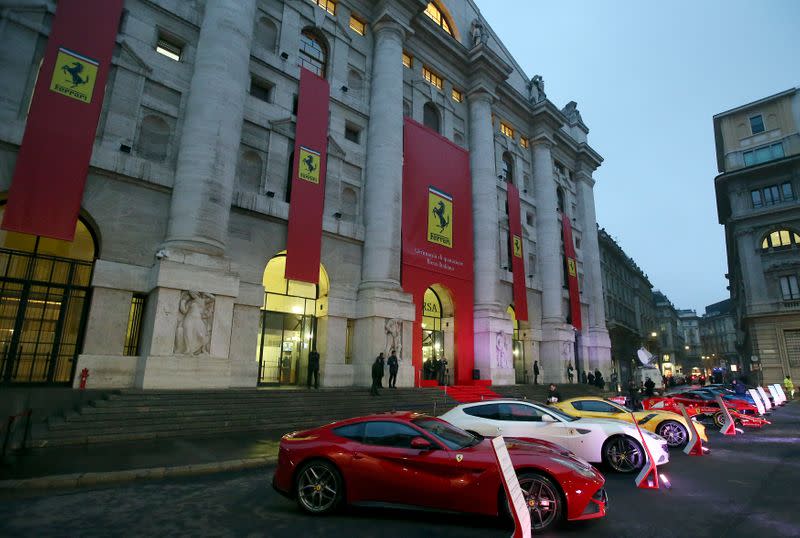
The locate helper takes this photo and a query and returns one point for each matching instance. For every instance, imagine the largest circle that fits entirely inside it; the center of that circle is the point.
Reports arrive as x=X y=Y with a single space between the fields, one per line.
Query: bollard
x=84 y=377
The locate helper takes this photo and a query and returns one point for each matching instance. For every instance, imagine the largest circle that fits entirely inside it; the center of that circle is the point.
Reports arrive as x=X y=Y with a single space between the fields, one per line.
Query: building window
x=352 y=133
x=134 y=324
x=357 y=26
x=432 y=77
x=773 y=194
x=266 y=33
x=508 y=168
x=763 y=154
x=430 y=117
x=169 y=47
x=757 y=124
x=786 y=191
x=327 y=5
x=261 y=90
x=780 y=239
x=436 y=15
x=457 y=95
x=313 y=53
x=789 y=288
x=523 y=142
x=408 y=60
x=154 y=138
x=506 y=129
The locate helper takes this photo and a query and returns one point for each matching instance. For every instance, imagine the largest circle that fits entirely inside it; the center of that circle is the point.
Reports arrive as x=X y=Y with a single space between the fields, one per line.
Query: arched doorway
x=44 y=288
x=521 y=368
x=288 y=329
x=437 y=335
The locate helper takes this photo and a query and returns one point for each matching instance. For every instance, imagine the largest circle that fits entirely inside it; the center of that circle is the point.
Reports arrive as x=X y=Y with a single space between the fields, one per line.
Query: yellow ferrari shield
x=440 y=218
x=74 y=75
x=308 y=167
x=517 y=246
x=459 y=457
x=571 y=267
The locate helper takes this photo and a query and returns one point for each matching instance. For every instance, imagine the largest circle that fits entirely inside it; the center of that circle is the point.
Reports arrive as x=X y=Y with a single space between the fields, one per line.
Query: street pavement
x=746 y=487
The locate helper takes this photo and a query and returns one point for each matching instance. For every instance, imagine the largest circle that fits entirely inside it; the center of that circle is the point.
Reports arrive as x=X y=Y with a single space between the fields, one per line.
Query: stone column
x=191 y=268
x=379 y=295
x=209 y=149
x=493 y=329
x=596 y=337
x=557 y=346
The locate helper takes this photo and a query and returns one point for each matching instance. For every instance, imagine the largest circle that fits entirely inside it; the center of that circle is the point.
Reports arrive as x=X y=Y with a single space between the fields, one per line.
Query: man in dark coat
x=633 y=394
x=393 y=366
x=377 y=375
x=598 y=379
x=313 y=368
x=552 y=394
x=535 y=372
x=590 y=378
x=649 y=385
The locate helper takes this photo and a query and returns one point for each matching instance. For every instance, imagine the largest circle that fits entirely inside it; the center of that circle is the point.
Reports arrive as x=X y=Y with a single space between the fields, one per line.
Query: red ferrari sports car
x=411 y=459
x=697 y=406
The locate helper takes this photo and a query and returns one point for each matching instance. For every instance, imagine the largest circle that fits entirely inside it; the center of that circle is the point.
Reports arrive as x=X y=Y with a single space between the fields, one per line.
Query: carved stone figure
x=394 y=337
x=193 y=333
x=572 y=113
x=478 y=32
x=501 y=348
x=536 y=89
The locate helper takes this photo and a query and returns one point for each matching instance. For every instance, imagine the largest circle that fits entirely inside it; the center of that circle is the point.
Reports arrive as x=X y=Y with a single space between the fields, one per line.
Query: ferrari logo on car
x=459 y=457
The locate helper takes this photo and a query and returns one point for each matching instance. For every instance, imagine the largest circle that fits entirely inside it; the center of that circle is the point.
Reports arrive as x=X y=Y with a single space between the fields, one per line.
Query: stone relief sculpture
x=193 y=333
x=501 y=348
x=478 y=32
x=572 y=113
x=536 y=89
x=394 y=337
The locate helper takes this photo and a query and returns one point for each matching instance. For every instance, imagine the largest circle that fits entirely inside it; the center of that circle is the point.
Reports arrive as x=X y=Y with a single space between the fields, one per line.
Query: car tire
x=719 y=419
x=319 y=487
x=547 y=510
x=676 y=434
x=623 y=454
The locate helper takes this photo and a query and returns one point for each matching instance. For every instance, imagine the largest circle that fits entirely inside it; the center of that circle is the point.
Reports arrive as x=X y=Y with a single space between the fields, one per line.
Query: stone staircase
x=538 y=393
x=130 y=415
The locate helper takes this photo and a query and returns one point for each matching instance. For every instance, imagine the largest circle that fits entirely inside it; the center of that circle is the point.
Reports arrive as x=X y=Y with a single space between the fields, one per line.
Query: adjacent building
x=689 y=326
x=718 y=339
x=176 y=276
x=668 y=336
x=758 y=157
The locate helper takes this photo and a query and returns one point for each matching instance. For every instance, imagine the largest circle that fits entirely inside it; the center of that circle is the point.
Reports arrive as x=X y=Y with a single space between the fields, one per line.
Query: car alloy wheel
x=542 y=498
x=624 y=454
x=674 y=432
x=719 y=419
x=319 y=487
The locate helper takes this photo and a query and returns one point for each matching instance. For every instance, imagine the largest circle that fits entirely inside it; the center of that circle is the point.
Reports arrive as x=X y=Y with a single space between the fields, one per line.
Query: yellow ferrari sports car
x=671 y=426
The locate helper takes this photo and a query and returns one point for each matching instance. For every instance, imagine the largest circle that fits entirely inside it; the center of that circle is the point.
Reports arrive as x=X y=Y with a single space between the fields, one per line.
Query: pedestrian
x=377 y=375
x=599 y=382
x=552 y=394
x=535 y=372
x=570 y=372
x=633 y=394
x=393 y=367
x=313 y=368
x=649 y=385
x=739 y=387
x=590 y=378
x=383 y=370
x=789 y=386
x=443 y=371
x=584 y=379
x=614 y=380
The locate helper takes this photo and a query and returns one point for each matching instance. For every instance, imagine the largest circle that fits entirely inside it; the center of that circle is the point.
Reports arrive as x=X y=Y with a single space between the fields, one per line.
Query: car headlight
x=577 y=466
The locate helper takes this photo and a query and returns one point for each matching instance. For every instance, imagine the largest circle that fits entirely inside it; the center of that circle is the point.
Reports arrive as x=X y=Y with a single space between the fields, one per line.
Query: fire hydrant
x=84 y=377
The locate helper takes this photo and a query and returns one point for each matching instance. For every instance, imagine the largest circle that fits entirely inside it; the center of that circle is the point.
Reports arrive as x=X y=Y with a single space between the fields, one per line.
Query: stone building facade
x=758 y=203
x=689 y=326
x=718 y=338
x=629 y=305
x=184 y=215
x=668 y=336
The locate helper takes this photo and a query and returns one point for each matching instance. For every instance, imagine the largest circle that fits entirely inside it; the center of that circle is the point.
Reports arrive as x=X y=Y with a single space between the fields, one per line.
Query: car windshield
x=452 y=437
x=561 y=414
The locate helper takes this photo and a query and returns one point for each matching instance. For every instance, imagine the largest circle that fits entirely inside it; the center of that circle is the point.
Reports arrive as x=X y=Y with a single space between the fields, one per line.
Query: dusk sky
x=648 y=77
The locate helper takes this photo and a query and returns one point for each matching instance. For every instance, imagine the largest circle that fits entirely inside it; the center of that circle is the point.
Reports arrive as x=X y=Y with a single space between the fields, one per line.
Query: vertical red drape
x=517 y=254
x=572 y=274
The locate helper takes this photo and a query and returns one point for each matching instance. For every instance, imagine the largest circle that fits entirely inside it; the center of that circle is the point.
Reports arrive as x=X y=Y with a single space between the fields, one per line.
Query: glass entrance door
x=521 y=372
x=284 y=342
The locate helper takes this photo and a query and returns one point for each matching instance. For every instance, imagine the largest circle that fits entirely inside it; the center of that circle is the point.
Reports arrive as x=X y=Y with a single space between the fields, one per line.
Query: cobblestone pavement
x=746 y=487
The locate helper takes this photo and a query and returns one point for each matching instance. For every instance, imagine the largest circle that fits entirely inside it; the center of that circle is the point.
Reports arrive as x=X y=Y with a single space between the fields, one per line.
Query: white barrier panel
x=694 y=446
x=775 y=396
x=780 y=393
x=728 y=426
x=783 y=393
x=519 y=508
x=758 y=401
x=648 y=476
x=764 y=397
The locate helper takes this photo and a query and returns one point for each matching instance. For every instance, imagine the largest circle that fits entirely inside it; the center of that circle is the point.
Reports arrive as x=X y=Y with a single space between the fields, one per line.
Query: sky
x=648 y=77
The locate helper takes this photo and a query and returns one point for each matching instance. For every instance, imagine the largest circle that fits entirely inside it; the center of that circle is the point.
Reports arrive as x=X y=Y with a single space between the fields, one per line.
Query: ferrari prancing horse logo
x=459 y=457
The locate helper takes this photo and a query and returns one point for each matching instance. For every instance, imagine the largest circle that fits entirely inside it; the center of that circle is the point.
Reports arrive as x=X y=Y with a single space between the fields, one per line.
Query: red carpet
x=470 y=393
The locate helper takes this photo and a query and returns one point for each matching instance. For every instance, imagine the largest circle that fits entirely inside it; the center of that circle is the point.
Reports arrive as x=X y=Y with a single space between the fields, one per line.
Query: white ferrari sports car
x=613 y=442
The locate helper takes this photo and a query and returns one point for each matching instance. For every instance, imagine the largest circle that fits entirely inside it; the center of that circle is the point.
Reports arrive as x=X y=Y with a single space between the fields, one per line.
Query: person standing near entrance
x=313 y=368
x=535 y=372
x=393 y=367
x=377 y=375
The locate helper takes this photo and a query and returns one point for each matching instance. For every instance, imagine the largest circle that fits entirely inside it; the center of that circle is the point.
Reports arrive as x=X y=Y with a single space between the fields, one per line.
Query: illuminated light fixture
x=297 y=309
x=423 y=325
x=665 y=480
x=437 y=347
x=653 y=334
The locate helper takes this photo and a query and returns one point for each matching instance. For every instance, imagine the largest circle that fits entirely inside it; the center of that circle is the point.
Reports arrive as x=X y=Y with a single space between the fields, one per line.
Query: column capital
x=542 y=141
x=480 y=93
x=387 y=24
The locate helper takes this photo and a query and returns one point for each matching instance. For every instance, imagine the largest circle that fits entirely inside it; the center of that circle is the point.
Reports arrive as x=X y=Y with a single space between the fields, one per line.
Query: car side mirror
x=548 y=418
x=420 y=443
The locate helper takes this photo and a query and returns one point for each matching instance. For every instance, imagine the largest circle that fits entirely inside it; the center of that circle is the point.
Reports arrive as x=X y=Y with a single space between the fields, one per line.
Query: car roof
x=595 y=398
x=496 y=401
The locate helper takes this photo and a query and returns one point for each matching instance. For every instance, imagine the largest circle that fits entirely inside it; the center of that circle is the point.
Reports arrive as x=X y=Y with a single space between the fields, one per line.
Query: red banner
x=517 y=256
x=437 y=237
x=572 y=274
x=304 y=239
x=53 y=161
